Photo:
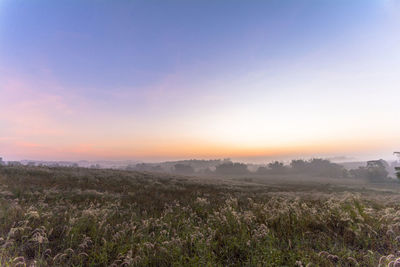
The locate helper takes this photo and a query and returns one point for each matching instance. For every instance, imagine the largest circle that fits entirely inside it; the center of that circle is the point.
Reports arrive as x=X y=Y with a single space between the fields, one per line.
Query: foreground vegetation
x=88 y=217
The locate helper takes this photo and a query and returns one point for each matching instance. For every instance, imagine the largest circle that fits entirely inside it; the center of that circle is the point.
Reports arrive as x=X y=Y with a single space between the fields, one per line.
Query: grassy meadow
x=95 y=217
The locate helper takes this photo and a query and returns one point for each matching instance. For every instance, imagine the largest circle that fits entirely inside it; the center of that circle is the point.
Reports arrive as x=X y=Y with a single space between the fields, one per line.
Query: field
x=93 y=217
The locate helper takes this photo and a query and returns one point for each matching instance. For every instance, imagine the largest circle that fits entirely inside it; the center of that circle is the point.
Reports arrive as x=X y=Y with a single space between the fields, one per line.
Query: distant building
x=1 y=162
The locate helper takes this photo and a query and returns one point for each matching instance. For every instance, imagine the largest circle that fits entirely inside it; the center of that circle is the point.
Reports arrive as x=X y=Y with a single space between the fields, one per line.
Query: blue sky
x=162 y=79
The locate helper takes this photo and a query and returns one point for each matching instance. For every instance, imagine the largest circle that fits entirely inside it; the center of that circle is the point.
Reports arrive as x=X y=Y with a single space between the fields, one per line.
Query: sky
x=174 y=79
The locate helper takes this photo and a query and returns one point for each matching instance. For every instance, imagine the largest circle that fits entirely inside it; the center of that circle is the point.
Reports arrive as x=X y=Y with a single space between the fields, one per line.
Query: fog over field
x=199 y=133
x=199 y=212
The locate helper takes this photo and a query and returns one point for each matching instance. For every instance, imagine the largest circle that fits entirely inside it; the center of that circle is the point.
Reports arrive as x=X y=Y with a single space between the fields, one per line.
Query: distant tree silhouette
x=318 y=167
x=277 y=167
x=375 y=171
x=232 y=168
x=397 y=169
x=322 y=167
x=299 y=165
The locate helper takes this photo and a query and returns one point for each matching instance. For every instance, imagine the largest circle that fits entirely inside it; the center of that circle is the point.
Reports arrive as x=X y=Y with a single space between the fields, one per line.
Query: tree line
x=374 y=170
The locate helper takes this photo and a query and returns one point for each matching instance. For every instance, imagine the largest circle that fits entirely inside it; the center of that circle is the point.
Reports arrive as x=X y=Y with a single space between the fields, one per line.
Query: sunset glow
x=149 y=80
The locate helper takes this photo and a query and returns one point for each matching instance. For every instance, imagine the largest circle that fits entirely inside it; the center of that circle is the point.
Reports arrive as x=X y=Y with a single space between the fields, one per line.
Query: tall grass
x=85 y=217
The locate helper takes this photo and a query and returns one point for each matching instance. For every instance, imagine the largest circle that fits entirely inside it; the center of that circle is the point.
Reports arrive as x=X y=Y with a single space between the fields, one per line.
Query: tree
x=323 y=167
x=183 y=169
x=277 y=167
x=298 y=164
x=318 y=167
x=232 y=168
x=375 y=171
x=397 y=168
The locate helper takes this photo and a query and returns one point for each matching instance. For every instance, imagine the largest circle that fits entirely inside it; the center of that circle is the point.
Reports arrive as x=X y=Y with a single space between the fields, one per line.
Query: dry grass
x=85 y=217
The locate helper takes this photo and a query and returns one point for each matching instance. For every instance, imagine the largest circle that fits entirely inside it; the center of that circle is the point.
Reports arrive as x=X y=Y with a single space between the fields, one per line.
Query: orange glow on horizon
x=190 y=149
